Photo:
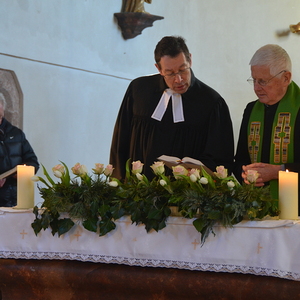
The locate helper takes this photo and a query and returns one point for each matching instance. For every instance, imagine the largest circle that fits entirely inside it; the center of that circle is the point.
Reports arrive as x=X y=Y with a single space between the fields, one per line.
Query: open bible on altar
x=8 y=173
x=187 y=162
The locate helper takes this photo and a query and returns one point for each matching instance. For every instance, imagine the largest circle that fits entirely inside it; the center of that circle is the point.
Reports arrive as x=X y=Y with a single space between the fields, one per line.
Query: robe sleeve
x=120 y=146
x=219 y=148
x=242 y=156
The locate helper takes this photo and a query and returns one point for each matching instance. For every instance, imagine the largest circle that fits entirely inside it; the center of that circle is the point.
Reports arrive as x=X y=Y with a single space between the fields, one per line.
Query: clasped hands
x=266 y=172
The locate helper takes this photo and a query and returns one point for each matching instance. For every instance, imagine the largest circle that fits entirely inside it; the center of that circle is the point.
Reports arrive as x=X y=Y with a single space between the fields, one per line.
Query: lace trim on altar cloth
x=151 y=263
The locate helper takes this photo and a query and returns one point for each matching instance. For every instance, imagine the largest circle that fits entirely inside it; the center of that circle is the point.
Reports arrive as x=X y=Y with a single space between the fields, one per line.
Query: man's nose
x=178 y=78
x=256 y=86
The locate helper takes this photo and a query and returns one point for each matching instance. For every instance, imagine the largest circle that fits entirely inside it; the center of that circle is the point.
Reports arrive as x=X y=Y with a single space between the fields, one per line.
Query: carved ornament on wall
x=133 y=18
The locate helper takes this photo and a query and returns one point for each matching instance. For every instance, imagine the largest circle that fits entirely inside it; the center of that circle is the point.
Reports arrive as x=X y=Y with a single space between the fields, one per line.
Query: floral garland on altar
x=98 y=200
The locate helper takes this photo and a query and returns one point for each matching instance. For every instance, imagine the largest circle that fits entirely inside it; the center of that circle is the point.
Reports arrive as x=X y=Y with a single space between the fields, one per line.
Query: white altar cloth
x=269 y=247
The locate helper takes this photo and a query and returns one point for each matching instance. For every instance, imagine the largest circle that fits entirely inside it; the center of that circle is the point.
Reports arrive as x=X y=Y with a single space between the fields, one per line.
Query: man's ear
x=158 y=68
x=190 y=59
x=287 y=77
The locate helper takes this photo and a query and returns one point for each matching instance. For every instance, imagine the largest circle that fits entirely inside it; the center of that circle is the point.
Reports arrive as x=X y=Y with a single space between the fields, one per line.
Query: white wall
x=69 y=114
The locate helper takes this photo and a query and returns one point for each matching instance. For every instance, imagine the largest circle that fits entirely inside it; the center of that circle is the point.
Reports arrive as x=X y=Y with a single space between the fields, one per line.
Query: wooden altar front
x=22 y=279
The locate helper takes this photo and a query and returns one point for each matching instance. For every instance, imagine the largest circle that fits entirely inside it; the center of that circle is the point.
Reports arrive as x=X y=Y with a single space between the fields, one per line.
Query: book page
x=8 y=173
x=192 y=161
x=187 y=162
x=173 y=159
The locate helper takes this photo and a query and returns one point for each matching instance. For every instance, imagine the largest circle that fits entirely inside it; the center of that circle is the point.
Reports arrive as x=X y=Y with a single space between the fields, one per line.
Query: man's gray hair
x=273 y=56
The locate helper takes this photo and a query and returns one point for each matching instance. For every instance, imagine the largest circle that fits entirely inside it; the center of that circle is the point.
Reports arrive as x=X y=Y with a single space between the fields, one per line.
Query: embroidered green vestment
x=282 y=139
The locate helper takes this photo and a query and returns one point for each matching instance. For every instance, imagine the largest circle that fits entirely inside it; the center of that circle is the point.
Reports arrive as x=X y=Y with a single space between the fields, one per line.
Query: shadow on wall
x=12 y=93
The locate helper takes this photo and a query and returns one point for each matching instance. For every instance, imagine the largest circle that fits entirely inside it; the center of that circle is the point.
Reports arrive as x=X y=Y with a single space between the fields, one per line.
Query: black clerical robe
x=205 y=134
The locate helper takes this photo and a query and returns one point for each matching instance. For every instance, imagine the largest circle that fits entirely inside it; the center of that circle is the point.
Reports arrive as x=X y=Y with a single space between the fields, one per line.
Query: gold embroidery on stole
x=254 y=140
x=282 y=135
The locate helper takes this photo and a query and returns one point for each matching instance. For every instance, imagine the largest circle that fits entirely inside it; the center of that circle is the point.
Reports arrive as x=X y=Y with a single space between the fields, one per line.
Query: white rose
x=137 y=167
x=59 y=168
x=158 y=167
x=221 y=172
x=203 y=180
x=139 y=176
x=79 y=169
x=108 y=170
x=162 y=182
x=57 y=174
x=179 y=170
x=98 y=168
x=113 y=183
x=252 y=175
x=196 y=172
x=35 y=178
x=193 y=177
x=230 y=184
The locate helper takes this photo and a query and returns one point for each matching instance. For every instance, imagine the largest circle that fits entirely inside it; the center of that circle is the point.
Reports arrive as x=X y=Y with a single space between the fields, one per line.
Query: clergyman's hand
x=266 y=172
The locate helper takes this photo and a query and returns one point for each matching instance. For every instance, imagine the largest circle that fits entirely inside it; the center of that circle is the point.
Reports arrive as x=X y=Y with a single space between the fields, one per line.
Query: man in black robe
x=172 y=113
x=269 y=139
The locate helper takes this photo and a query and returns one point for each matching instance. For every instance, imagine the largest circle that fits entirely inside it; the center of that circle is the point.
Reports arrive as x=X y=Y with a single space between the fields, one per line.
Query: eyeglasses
x=180 y=73
x=262 y=82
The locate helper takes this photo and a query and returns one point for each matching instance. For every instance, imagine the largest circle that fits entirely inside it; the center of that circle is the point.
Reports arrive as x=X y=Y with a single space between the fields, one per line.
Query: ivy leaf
x=151 y=224
x=162 y=224
x=199 y=224
x=117 y=212
x=90 y=224
x=103 y=210
x=36 y=211
x=64 y=225
x=106 y=225
x=37 y=226
x=54 y=226
x=167 y=211
x=46 y=220
x=155 y=214
x=214 y=215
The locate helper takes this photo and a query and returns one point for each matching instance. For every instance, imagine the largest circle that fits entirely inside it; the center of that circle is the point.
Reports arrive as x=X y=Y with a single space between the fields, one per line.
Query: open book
x=187 y=162
x=8 y=173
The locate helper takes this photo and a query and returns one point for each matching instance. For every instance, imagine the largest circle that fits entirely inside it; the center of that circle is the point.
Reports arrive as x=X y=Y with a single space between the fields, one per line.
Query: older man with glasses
x=269 y=139
x=172 y=113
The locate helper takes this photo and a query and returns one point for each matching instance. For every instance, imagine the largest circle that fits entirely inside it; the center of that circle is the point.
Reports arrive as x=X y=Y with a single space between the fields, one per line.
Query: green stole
x=282 y=139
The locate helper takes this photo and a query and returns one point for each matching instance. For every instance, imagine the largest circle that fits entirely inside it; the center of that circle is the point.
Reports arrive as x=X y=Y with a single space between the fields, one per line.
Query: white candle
x=288 y=195
x=25 y=187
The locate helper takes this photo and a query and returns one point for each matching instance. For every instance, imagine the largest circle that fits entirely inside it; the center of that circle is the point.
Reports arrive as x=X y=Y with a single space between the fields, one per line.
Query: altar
x=251 y=260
